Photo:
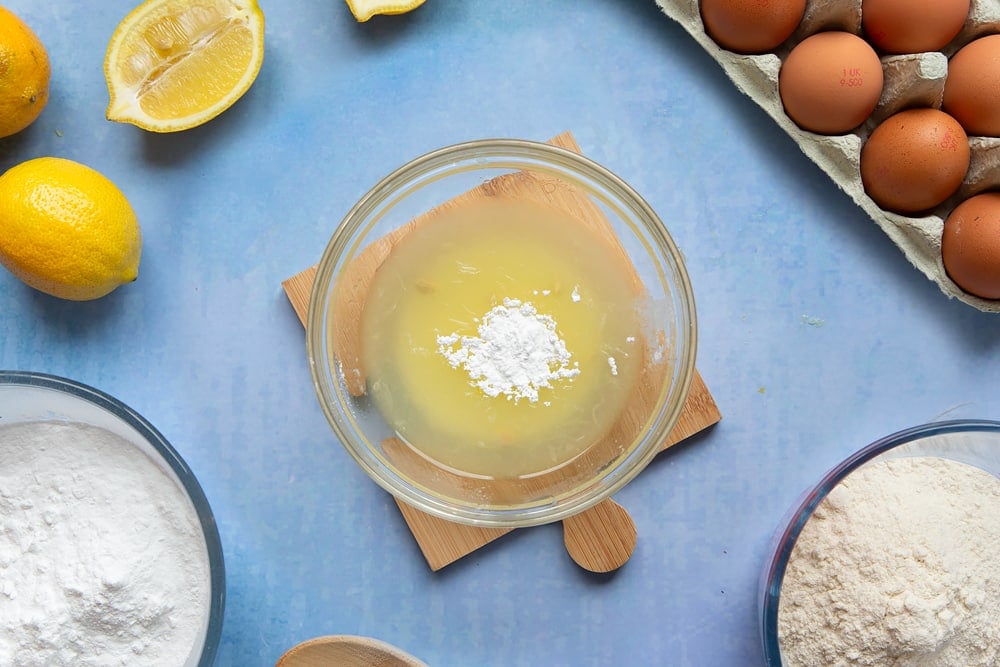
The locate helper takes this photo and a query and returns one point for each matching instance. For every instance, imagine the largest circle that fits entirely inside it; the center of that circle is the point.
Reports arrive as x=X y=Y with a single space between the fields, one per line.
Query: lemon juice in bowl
x=501 y=333
x=502 y=338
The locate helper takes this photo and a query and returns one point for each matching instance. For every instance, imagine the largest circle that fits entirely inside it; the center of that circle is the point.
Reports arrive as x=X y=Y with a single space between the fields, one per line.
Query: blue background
x=816 y=335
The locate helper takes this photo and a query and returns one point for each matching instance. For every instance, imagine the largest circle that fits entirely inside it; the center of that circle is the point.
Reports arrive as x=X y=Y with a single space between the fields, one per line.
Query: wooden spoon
x=346 y=651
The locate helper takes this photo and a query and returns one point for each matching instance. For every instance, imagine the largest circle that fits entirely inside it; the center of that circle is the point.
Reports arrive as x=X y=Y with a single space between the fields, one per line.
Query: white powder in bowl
x=898 y=566
x=102 y=558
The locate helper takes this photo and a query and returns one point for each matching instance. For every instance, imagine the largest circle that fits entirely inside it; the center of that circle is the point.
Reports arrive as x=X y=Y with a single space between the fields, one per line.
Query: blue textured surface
x=817 y=337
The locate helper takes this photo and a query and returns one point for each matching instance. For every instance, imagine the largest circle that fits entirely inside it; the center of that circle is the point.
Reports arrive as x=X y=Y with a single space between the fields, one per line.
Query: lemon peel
x=175 y=64
x=24 y=74
x=365 y=9
x=66 y=230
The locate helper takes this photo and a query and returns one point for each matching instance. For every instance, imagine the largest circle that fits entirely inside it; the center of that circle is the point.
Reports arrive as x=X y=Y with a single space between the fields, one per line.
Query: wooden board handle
x=602 y=538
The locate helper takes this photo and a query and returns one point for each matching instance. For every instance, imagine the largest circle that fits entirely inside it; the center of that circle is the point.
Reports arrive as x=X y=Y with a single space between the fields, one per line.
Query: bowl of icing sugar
x=502 y=332
x=891 y=559
x=109 y=552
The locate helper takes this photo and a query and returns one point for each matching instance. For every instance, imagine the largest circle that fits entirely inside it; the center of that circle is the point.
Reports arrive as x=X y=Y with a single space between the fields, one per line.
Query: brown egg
x=914 y=160
x=972 y=89
x=830 y=82
x=751 y=26
x=970 y=245
x=912 y=26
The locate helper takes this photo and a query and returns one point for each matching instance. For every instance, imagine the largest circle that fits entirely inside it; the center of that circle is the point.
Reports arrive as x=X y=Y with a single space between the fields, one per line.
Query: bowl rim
x=190 y=485
x=520 y=152
x=784 y=539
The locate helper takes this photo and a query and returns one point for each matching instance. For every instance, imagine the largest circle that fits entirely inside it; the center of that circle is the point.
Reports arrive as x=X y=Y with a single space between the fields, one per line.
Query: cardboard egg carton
x=911 y=80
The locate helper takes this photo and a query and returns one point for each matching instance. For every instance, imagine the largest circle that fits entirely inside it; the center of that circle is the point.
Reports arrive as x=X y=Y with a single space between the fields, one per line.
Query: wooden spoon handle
x=602 y=538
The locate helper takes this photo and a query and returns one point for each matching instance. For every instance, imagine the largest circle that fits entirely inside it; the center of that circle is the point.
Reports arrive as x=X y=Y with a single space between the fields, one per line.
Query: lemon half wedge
x=175 y=64
x=365 y=9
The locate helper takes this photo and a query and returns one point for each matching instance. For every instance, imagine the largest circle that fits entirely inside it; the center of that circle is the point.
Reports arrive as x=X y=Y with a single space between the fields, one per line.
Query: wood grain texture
x=601 y=539
x=298 y=288
x=443 y=542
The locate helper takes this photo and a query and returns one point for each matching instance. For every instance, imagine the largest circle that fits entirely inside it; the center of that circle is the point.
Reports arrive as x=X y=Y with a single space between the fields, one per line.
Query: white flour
x=102 y=559
x=899 y=566
x=516 y=353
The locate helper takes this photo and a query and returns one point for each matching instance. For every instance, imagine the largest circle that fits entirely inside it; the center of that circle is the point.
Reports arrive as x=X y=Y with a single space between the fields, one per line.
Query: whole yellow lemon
x=66 y=230
x=24 y=74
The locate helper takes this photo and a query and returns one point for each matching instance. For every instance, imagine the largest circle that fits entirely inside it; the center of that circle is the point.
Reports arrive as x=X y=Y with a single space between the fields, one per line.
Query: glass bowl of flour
x=502 y=333
x=109 y=552
x=892 y=558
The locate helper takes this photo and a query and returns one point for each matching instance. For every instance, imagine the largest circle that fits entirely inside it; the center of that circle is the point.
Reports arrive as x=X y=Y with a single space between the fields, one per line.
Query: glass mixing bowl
x=974 y=442
x=338 y=297
x=27 y=396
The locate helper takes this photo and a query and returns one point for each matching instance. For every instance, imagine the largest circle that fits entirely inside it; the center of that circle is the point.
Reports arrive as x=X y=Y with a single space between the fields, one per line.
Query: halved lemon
x=175 y=64
x=365 y=9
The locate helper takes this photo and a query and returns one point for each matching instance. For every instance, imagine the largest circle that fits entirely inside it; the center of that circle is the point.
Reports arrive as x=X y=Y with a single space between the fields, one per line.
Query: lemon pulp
x=443 y=278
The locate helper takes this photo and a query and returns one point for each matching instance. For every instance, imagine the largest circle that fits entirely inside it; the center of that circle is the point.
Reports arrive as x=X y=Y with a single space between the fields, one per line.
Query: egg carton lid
x=911 y=80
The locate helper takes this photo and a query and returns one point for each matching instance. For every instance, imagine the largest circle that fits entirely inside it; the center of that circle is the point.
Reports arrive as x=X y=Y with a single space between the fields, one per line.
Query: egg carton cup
x=910 y=80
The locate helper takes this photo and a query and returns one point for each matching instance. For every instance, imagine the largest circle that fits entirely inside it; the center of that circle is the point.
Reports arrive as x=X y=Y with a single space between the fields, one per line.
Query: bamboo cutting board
x=599 y=539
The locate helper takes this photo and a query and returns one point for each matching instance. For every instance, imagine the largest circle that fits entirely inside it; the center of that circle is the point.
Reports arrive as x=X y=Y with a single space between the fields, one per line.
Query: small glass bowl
x=669 y=317
x=27 y=396
x=974 y=442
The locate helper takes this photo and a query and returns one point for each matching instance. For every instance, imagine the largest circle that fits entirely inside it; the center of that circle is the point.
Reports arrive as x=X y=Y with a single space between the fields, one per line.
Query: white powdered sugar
x=102 y=558
x=517 y=352
x=898 y=567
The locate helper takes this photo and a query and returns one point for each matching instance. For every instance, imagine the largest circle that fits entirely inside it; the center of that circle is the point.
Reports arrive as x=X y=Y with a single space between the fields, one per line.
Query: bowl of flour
x=892 y=558
x=109 y=552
